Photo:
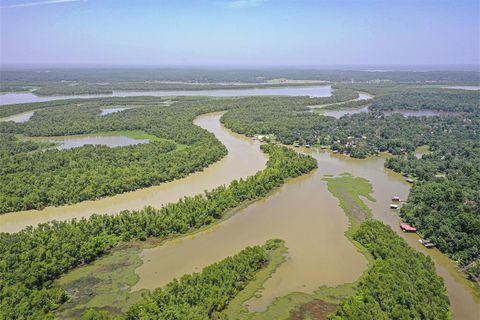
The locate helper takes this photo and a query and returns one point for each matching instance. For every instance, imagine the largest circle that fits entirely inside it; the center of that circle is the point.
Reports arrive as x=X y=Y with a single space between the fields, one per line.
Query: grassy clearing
x=423 y=150
x=349 y=190
x=105 y=284
x=282 y=307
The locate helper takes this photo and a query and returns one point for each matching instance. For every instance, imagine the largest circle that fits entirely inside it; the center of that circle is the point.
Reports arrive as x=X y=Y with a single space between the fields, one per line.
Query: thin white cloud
x=239 y=4
x=38 y=3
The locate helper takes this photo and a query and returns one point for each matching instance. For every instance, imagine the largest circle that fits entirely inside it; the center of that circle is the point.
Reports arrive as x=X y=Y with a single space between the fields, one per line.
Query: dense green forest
x=359 y=135
x=37 y=179
x=429 y=99
x=32 y=258
x=453 y=224
x=11 y=109
x=402 y=284
x=444 y=202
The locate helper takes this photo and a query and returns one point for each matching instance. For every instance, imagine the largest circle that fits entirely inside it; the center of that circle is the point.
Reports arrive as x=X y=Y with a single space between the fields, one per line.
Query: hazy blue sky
x=240 y=32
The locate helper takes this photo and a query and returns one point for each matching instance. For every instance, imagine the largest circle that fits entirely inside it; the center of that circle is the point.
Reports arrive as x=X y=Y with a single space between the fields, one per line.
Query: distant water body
x=469 y=88
x=313 y=91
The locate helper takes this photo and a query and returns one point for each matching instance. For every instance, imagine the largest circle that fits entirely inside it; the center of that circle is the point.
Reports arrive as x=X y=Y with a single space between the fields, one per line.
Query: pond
x=313 y=91
x=111 y=110
x=343 y=112
x=69 y=142
x=20 y=117
x=406 y=113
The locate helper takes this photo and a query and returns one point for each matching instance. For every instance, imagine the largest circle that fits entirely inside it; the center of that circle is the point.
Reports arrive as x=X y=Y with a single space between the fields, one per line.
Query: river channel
x=312 y=91
x=244 y=159
x=302 y=212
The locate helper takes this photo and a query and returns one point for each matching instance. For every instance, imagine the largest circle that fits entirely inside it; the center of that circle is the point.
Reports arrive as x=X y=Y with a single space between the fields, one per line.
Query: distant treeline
x=32 y=258
x=439 y=99
x=16 y=79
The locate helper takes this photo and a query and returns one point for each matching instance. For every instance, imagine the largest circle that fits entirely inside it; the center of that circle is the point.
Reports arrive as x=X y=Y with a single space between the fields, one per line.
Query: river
x=313 y=91
x=308 y=218
x=244 y=159
x=302 y=212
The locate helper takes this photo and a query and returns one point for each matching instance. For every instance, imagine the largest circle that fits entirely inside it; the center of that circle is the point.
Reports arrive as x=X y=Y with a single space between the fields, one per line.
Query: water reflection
x=69 y=142
x=19 y=118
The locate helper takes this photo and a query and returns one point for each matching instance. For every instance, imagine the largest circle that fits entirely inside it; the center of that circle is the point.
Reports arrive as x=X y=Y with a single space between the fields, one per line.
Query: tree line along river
x=302 y=212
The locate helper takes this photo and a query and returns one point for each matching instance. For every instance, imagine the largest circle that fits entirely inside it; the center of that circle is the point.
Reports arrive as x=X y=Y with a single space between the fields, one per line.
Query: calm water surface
x=465 y=301
x=69 y=142
x=313 y=91
x=364 y=96
x=20 y=117
x=106 y=111
x=341 y=112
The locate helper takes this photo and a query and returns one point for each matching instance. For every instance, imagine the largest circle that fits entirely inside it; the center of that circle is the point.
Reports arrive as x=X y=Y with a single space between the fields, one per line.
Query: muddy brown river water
x=244 y=159
x=308 y=218
x=302 y=212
